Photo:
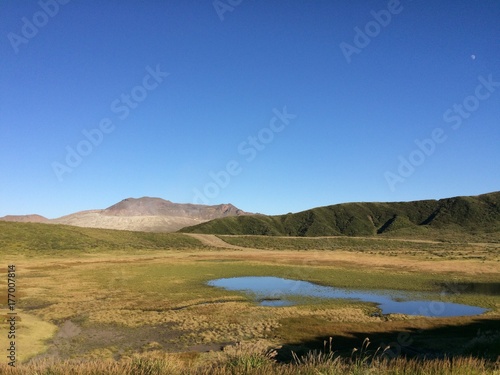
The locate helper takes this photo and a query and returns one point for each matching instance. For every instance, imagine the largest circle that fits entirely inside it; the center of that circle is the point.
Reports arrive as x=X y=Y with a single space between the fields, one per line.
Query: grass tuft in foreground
x=326 y=363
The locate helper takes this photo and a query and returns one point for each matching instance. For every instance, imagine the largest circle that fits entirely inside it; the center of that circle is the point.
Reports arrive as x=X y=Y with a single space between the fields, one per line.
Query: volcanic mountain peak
x=140 y=214
x=147 y=206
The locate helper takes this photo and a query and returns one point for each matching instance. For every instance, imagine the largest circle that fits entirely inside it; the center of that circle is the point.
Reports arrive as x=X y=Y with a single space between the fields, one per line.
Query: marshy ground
x=117 y=303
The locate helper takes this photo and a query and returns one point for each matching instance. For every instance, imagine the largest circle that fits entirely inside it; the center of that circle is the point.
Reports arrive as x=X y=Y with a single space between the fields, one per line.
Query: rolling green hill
x=455 y=218
x=38 y=238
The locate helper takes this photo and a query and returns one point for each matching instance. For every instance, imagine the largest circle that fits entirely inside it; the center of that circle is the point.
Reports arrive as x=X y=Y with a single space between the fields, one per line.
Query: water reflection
x=275 y=291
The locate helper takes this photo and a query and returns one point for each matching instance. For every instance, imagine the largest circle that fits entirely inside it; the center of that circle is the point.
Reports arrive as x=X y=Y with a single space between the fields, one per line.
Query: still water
x=276 y=291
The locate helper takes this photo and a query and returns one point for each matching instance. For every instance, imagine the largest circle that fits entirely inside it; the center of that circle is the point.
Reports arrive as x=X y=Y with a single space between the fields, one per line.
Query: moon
x=473 y=57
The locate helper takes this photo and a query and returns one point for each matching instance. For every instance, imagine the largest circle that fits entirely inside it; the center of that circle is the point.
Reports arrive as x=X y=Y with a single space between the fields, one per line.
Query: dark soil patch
x=74 y=340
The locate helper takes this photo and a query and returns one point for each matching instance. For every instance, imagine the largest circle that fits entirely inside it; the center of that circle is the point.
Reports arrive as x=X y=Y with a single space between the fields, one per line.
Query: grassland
x=102 y=301
x=421 y=249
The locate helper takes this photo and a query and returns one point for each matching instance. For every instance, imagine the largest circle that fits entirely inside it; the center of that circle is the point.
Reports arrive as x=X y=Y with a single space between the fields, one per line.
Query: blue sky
x=275 y=107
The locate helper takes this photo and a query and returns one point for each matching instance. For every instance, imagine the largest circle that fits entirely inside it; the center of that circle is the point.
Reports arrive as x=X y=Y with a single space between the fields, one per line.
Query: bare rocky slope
x=140 y=214
x=25 y=218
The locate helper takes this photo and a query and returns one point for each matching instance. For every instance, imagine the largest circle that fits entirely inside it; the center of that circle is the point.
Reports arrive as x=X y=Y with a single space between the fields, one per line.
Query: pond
x=275 y=291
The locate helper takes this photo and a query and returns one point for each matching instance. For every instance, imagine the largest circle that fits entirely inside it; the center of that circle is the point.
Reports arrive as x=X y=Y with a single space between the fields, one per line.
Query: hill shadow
x=479 y=337
x=486 y=288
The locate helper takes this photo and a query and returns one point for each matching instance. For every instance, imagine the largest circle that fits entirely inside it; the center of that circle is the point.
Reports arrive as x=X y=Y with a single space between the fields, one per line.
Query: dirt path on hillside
x=214 y=241
x=342 y=237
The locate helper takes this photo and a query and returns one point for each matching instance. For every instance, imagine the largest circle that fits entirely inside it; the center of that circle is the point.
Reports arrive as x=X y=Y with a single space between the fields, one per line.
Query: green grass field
x=138 y=303
x=373 y=245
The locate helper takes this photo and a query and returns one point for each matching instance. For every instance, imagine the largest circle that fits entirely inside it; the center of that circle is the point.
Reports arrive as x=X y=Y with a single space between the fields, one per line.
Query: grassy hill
x=475 y=217
x=31 y=238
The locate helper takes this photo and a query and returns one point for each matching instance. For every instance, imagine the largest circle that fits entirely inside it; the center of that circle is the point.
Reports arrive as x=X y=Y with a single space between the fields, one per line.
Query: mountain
x=450 y=218
x=25 y=218
x=142 y=214
x=147 y=206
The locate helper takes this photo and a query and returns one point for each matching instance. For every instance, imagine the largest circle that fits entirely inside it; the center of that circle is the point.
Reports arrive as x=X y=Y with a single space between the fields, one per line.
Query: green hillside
x=28 y=238
x=456 y=218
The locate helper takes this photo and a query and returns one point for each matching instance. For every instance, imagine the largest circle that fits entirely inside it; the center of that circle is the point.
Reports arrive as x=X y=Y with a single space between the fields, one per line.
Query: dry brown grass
x=112 y=298
x=257 y=363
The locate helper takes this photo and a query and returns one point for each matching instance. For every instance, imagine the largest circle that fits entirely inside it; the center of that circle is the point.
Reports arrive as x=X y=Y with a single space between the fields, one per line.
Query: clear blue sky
x=360 y=80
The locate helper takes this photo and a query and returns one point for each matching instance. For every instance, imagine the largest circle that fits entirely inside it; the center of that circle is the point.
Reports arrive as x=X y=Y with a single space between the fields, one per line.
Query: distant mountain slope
x=469 y=215
x=142 y=214
x=147 y=206
x=25 y=218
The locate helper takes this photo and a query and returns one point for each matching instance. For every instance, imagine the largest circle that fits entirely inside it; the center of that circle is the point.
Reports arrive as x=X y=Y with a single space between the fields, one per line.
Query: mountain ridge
x=139 y=214
x=468 y=215
x=32 y=218
x=464 y=215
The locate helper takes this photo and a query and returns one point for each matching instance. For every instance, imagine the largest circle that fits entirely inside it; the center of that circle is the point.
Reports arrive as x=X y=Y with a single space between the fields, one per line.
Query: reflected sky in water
x=276 y=291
